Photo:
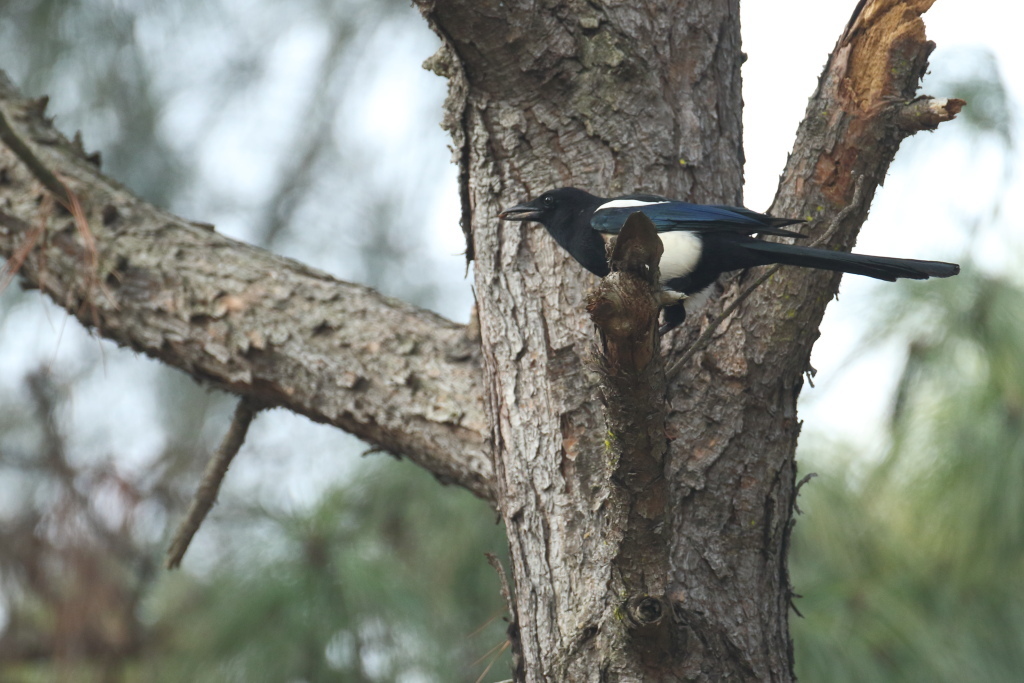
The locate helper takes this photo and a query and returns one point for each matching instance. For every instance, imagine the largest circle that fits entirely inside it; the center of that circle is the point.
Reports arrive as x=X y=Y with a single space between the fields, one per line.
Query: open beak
x=520 y=212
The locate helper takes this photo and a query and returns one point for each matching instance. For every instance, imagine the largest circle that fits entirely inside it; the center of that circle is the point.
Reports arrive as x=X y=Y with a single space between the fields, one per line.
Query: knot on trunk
x=644 y=610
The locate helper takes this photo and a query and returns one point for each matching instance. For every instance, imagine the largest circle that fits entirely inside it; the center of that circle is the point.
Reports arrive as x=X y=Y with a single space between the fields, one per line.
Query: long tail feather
x=879 y=267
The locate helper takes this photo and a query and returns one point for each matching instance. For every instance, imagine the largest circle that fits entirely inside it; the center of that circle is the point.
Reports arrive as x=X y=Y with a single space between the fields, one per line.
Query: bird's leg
x=674 y=315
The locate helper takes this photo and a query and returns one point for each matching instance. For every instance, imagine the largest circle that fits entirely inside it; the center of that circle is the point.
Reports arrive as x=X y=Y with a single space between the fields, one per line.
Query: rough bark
x=735 y=404
x=624 y=308
x=616 y=97
x=240 y=318
x=643 y=96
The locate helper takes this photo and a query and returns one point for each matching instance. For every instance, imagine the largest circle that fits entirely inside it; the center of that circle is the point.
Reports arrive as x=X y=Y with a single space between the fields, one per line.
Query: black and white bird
x=701 y=241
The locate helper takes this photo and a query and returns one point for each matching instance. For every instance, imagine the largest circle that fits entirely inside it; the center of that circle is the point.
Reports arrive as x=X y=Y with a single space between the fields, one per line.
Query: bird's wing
x=668 y=216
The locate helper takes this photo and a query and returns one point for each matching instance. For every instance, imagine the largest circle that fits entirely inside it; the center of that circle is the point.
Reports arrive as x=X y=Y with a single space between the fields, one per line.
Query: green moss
x=600 y=50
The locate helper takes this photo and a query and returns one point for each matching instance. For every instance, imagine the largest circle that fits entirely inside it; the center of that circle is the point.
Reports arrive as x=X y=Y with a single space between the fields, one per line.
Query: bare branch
x=245 y=320
x=926 y=113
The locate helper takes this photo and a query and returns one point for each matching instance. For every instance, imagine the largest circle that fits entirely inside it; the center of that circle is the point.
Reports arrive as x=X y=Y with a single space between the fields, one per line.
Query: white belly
x=695 y=302
x=682 y=251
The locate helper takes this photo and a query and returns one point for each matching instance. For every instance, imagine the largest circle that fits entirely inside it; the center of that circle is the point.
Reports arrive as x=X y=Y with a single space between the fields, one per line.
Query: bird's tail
x=879 y=267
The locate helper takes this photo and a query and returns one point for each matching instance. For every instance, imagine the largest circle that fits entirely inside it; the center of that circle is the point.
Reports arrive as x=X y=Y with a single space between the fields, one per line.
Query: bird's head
x=566 y=213
x=557 y=210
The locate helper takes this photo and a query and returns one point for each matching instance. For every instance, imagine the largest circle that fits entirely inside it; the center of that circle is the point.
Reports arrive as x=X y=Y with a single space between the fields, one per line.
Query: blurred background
x=278 y=122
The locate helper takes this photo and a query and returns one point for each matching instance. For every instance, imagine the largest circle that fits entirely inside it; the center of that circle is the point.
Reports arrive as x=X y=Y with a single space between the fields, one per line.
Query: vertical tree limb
x=625 y=307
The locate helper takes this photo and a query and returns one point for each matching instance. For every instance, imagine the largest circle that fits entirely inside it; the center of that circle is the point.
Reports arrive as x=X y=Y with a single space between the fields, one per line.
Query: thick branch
x=625 y=306
x=245 y=320
x=734 y=403
x=864 y=107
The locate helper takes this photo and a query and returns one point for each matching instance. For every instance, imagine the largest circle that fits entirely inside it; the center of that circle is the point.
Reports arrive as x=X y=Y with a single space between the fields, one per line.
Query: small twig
x=705 y=336
x=206 y=494
x=481 y=627
x=493 y=560
x=501 y=648
x=37 y=168
x=796 y=491
x=926 y=113
x=9 y=269
x=792 y=604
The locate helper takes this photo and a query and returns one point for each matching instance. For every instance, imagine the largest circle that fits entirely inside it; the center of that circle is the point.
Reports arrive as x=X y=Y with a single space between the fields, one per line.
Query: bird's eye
x=548 y=200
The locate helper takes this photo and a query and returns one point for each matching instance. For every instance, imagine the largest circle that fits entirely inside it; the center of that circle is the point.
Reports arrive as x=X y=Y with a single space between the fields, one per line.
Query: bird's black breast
x=588 y=247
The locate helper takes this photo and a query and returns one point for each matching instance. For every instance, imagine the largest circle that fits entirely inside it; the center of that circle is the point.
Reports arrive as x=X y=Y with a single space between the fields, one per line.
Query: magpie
x=701 y=242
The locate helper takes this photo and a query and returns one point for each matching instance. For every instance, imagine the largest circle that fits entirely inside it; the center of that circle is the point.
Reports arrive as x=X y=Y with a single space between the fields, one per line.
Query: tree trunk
x=619 y=576
x=648 y=511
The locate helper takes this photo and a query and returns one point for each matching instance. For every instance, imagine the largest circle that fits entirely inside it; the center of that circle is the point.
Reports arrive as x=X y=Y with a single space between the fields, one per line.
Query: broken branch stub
x=623 y=305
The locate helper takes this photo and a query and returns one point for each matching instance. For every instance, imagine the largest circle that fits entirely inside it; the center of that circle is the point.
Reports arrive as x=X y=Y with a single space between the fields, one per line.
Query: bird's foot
x=668 y=297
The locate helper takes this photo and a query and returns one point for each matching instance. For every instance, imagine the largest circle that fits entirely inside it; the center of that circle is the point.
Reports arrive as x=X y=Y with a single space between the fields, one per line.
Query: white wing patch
x=682 y=251
x=626 y=203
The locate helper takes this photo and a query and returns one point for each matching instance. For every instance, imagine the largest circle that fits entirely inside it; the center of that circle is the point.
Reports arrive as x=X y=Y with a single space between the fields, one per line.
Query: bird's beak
x=520 y=212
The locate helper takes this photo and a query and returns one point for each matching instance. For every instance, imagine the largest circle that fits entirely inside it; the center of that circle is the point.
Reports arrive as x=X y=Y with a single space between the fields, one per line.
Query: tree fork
x=627 y=97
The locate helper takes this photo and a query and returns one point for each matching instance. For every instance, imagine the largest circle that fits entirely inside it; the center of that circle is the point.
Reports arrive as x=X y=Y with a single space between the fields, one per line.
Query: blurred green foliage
x=913 y=570
x=384 y=579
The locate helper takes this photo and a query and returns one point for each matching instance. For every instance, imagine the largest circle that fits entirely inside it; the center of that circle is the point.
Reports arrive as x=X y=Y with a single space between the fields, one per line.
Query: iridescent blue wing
x=669 y=216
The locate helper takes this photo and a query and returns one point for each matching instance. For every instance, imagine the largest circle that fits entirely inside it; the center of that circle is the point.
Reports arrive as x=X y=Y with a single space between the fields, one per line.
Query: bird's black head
x=566 y=213
x=553 y=207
